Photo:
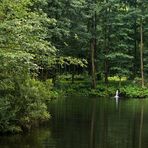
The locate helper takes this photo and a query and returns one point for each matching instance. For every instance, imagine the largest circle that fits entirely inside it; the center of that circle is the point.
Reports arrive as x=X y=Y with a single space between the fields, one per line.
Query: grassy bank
x=128 y=89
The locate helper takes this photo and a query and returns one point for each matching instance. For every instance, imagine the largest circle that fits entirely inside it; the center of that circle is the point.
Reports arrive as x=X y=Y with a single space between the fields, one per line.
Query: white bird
x=117 y=98
x=117 y=94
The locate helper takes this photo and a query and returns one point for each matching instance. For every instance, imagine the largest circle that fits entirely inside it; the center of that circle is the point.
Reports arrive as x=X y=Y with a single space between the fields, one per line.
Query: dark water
x=88 y=123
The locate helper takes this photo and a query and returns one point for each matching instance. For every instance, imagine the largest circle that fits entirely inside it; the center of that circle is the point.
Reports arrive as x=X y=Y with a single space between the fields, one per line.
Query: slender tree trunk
x=135 y=44
x=135 y=49
x=93 y=63
x=42 y=74
x=106 y=60
x=93 y=49
x=141 y=54
x=73 y=74
x=106 y=45
x=106 y=71
x=46 y=74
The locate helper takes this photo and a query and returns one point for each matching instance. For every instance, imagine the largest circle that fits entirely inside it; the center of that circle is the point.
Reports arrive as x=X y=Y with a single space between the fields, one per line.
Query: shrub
x=26 y=106
x=135 y=91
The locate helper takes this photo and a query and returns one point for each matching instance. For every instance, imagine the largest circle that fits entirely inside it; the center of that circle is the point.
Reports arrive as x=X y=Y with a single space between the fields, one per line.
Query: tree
x=23 y=41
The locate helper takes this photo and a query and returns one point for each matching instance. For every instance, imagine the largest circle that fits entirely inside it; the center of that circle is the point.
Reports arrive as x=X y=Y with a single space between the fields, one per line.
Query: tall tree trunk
x=73 y=74
x=106 y=45
x=93 y=63
x=141 y=54
x=135 y=44
x=93 y=50
x=106 y=52
x=135 y=50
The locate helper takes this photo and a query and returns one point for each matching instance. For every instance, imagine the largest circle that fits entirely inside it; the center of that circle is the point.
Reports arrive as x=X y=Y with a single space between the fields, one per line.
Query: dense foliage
x=40 y=41
x=22 y=43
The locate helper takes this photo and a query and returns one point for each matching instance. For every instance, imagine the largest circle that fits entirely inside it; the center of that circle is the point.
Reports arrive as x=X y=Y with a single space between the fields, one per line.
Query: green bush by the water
x=134 y=91
x=24 y=104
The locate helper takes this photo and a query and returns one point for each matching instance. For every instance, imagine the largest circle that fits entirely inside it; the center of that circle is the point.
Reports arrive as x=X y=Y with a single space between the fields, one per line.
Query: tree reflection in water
x=88 y=123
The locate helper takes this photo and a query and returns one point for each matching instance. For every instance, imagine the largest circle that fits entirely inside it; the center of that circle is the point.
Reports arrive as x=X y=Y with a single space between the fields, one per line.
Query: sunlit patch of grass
x=116 y=78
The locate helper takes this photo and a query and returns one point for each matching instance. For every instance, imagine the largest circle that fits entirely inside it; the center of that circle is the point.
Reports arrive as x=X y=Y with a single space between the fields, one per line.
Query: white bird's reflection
x=117 y=98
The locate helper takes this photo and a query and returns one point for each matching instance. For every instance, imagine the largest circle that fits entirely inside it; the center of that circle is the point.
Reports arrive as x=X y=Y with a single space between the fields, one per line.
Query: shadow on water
x=88 y=123
x=141 y=126
x=92 y=132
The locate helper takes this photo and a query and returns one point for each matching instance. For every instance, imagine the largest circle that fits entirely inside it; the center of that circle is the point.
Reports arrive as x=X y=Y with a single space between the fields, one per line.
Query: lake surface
x=88 y=123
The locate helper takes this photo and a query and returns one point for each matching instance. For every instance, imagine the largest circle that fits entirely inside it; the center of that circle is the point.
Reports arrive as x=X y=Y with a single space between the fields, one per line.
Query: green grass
x=128 y=89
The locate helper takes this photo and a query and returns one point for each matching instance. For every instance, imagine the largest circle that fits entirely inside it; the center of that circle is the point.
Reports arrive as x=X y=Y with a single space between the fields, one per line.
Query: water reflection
x=141 y=126
x=88 y=123
x=92 y=132
x=117 y=103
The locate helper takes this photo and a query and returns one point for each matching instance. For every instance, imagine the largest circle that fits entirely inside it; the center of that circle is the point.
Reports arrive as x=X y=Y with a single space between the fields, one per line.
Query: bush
x=26 y=106
x=135 y=91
